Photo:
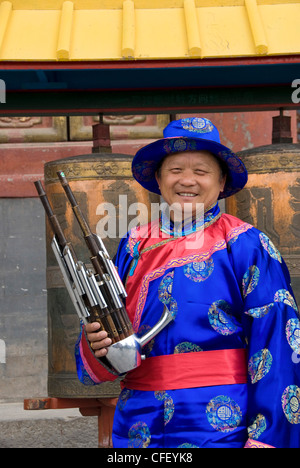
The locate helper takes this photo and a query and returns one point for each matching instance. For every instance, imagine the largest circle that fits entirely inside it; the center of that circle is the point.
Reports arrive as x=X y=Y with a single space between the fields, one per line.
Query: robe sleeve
x=272 y=329
x=91 y=370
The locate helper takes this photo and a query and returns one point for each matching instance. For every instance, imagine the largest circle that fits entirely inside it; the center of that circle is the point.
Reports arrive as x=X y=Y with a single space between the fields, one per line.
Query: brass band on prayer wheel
x=98 y=181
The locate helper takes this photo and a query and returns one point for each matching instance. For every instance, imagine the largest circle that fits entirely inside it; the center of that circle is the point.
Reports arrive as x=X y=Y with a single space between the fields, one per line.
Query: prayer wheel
x=271 y=199
x=108 y=196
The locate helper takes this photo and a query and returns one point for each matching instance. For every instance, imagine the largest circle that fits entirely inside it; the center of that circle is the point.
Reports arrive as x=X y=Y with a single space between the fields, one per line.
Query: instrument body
x=98 y=293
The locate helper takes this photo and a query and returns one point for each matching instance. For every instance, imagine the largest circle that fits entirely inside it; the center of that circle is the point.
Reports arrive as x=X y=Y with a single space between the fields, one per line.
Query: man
x=229 y=290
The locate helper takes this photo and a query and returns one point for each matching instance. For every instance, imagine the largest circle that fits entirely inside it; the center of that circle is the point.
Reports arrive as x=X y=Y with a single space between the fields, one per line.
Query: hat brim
x=147 y=160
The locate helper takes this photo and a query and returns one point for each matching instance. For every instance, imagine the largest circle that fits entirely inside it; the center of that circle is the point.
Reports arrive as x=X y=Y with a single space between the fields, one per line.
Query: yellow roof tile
x=93 y=30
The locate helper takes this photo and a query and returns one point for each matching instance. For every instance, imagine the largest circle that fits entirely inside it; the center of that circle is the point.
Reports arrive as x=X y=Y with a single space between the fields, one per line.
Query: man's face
x=189 y=178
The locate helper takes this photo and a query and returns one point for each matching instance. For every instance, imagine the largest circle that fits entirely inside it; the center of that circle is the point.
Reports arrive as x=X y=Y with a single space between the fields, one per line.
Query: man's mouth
x=187 y=194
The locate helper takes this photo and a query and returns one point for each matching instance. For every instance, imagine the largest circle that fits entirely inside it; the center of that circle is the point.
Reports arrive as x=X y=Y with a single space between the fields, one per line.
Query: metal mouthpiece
x=126 y=354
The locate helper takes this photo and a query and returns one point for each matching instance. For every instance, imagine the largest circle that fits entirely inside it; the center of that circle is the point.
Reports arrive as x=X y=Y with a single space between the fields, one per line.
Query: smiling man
x=190 y=178
x=222 y=373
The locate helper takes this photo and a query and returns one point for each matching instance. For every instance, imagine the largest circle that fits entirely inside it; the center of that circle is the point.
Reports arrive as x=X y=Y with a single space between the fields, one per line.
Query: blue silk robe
x=229 y=289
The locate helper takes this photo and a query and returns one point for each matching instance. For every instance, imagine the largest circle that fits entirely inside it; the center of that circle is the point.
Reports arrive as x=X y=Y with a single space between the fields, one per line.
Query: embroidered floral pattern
x=250 y=280
x=259 y=365
x=197 y=125
x=123 y=398
x=292 y=331
x=139 y=435
x=290 y=401
x=269 y=247
x=256 y=444
x=221 y=319
x=223 y=413
x=168 y=405
x=257 y=427
x=165 y=293
x=235 y=163
x=144 y=170
x=259 y=312
x=199 y=271
x=165 y=288
x=179 y=144
x=187 y=347
x=187 y=445
x=283 y=295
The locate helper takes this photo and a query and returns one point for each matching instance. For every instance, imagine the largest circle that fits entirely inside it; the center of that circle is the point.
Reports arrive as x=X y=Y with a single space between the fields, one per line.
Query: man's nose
x=187 y=178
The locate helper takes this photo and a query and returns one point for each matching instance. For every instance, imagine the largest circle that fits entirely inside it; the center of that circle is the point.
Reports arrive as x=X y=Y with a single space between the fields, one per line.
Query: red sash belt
x=188 y=370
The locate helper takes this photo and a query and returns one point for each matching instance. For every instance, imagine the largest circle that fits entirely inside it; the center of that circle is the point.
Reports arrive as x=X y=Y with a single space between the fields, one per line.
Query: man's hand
x=98 y=340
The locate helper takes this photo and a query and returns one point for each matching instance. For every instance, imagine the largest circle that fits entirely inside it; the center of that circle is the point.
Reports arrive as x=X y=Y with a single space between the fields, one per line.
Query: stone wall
x=23 y=309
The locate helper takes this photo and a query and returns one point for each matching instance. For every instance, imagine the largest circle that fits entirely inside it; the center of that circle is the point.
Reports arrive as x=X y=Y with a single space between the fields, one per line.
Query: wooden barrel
x=271 y=200
x=101 y=184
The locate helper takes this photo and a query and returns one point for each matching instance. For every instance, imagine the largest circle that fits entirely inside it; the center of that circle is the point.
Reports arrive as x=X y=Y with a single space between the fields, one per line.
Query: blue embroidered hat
x=190 y=134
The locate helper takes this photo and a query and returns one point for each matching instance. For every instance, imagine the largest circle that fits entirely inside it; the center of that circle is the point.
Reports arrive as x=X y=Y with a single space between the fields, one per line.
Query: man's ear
x=157 y=178
x=223 y=182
